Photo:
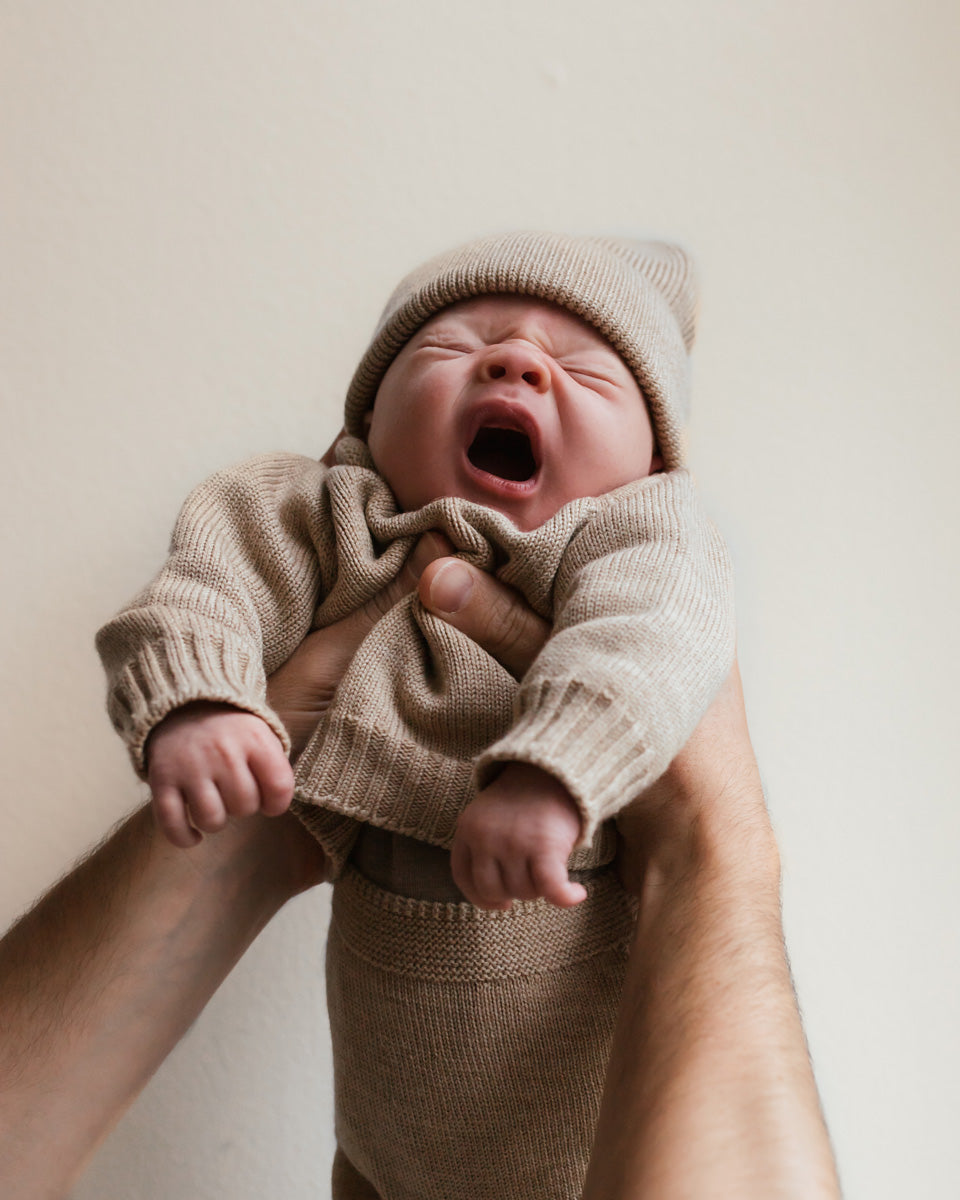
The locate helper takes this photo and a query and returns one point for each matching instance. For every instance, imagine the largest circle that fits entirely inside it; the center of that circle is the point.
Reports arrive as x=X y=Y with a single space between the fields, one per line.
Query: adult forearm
x=103 y=976
x=710 y=1091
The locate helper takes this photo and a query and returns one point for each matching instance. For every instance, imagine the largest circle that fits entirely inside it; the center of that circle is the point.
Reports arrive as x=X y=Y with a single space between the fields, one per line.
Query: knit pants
x=470 y=1045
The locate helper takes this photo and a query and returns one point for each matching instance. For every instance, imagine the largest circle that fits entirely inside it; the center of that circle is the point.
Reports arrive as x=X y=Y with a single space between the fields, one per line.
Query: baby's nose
x=516 y=364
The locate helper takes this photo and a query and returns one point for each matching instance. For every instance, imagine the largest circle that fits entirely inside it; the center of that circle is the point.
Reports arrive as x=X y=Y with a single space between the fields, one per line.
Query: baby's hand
x=513 y=841
x=207 y=762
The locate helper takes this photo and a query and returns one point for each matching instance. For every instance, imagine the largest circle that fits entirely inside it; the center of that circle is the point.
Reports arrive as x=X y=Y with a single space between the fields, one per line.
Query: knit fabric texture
x=470 y=1046
x=641 y=295
x=636 y=583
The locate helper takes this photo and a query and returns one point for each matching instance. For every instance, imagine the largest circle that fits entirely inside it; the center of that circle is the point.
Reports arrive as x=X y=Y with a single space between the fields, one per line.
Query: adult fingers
x=429 y=547
x=486 y=610
x=303 y=688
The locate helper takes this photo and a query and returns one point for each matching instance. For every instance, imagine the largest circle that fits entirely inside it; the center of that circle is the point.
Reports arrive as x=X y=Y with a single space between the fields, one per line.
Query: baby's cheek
x=414 y=473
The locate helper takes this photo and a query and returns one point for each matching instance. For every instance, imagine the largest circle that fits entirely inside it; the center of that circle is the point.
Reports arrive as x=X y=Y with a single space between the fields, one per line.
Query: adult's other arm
x=101 y=979
x=709 y=1091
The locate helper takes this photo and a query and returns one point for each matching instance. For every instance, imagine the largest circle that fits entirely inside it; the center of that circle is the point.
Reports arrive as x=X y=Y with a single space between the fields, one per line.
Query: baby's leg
x=470 y=1046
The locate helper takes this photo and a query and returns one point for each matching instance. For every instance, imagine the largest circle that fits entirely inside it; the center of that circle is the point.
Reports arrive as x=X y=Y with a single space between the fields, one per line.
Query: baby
x=525 y=395
x=507 y=401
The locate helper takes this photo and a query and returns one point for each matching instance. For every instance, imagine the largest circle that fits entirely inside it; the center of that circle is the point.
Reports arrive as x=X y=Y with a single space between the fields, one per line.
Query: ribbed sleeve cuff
x=335 y=833
x=586 y=740
x=184 y=665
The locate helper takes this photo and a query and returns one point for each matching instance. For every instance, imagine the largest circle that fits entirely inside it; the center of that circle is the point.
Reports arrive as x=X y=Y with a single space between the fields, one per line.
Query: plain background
x=204 y=207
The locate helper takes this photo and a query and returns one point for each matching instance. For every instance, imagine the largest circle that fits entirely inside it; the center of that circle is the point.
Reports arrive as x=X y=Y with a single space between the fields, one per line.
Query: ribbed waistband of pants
x=456 y=941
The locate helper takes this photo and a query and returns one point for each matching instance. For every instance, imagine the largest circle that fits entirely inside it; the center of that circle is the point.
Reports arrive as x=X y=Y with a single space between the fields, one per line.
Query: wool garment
x=412 y=868
x=470 y=1045
x=636 y=584
x=492 y=1027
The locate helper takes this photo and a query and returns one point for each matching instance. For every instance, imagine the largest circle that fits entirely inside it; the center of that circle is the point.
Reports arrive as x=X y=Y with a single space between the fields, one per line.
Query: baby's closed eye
x=589 y=374
x=454 y=341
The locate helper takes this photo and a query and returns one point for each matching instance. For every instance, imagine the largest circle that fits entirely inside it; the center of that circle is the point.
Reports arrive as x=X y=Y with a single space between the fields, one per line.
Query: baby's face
x=510 y=402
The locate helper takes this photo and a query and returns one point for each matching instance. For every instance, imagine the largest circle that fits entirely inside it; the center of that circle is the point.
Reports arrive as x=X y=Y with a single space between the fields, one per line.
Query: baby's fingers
x=170 y=813
x=239 y=790
x=518 y=879
x=205 y=806
x=274 y=776
x=488 y=884
x=553 y=883
x=478 y=877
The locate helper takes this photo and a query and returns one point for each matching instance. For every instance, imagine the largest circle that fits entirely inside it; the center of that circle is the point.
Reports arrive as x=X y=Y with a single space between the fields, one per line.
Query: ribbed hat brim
x=640 y=295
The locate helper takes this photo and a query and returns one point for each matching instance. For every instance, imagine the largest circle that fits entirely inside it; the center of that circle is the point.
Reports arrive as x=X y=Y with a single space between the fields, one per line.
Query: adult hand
x=708 y=804
x=101 y=979
x=709 y=1088
x=495 y=616
x=486 y=610
x=708 y=801
x=302 y=689
x=489 y=612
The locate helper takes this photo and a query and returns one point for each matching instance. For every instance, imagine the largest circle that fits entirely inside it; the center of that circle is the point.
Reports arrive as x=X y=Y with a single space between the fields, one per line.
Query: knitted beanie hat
x=641 y=296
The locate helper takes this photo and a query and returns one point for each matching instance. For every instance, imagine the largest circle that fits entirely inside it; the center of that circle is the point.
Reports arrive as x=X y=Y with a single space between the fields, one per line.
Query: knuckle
x=509 y=619
x=379 y=605
x=481 y=838
x=275 y=804
x=172 y=822
x=212 y=822
x=275 y=777
x=167 y=801
x=257 y=737
x=160 y=773
x=207 y=813
x=509 y=629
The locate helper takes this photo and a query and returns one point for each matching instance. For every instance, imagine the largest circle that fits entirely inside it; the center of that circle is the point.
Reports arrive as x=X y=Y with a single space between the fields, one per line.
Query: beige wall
x=203 y=208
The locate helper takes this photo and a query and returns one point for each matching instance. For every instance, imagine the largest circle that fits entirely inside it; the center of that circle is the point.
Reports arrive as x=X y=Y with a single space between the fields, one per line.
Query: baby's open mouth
x=506 y=453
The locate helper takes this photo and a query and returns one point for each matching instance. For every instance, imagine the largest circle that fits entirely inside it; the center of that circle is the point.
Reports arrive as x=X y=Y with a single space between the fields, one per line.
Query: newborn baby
x=525 y=395
x=508 y=401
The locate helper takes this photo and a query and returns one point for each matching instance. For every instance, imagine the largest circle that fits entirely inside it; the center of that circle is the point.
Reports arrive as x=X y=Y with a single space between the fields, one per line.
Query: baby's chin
x=524 y=516
x=526 y=504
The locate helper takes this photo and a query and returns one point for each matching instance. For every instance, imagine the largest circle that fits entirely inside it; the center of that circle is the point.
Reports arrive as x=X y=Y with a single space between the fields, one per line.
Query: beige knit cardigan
x=636 y=584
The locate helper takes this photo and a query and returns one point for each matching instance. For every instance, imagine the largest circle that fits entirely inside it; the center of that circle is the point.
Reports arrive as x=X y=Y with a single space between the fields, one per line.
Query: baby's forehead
x=501 y=315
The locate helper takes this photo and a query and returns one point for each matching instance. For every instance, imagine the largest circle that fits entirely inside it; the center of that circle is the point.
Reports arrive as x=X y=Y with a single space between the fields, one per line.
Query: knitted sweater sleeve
x=234 y=599
x=643 y=637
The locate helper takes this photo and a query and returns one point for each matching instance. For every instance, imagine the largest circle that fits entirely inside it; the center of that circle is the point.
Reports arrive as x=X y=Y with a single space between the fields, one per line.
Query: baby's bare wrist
x=185 y=715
